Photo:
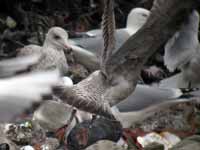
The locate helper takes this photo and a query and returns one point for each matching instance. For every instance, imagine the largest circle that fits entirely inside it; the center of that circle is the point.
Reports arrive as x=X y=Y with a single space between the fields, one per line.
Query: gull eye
x=144 y=15
x=57 y=37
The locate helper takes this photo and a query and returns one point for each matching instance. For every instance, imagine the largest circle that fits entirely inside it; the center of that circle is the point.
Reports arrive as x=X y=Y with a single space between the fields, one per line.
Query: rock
x=52 y=115
x=19 y=133
x=190 y=143
x=89 y=132
x=28 y=147
x=105 y=145
x=6 y=144
x=154 y=146
x=50 y=144
x=10 y=22
x=166 y=139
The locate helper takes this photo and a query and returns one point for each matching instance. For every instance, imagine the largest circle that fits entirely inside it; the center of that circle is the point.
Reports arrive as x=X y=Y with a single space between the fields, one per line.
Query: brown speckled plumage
x=86 y=95
x=52 y=54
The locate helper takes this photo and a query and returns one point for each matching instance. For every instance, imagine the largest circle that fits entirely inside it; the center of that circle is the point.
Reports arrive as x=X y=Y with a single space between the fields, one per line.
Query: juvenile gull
x=87 y=49
x=106 y=88
x=52 y=51
x=183 y=52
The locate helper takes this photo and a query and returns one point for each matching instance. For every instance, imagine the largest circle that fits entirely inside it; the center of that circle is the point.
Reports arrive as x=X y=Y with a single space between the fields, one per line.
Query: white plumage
x=91 y=46
x=52 y=51
x=183 y=52
x=19 y=92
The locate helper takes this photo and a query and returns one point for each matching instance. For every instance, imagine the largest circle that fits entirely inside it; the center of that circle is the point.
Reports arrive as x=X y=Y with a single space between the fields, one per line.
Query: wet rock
x=106 y=145
x=6 y=144
x=89 y=132
x=166 y=139
x=78 y=72
x=28 y=147
x=50 y=144
x=52 y=115
x=154 y=146
x=176 y=118
x=191 y=143
x=10 y=22
x=20 y=134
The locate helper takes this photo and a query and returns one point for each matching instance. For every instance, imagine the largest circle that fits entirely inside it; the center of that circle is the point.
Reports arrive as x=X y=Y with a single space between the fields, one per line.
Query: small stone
x=10 y=22
x=6 y=144
x=18 y=133
x=154 y=146
x=28 y=147
x=166 y=139
x=50 y=144
x=105 y=145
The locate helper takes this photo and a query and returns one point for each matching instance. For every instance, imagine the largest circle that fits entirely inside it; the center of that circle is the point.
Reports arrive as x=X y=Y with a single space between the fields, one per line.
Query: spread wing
x=18 y=93
x=182 y=46
x=11 y=66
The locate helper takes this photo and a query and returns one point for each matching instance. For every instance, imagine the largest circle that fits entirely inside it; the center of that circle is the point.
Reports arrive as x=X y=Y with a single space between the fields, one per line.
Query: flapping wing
x=18 y=93
x=182 y=46
x=11 y=66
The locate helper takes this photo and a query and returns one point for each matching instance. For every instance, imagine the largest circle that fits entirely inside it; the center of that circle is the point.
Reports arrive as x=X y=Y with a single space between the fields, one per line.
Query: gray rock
x=52 y=115
x=191 y=143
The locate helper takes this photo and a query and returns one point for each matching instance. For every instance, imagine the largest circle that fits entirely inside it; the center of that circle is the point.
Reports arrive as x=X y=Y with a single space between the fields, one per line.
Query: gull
x=52 y=51
x=119 y=71
x=145 y=96
x=86 y=49
x=182 y=52
x=129 y=118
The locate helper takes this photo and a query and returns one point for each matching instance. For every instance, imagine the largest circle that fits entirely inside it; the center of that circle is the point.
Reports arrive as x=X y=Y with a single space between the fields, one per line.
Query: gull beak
x=67 y=45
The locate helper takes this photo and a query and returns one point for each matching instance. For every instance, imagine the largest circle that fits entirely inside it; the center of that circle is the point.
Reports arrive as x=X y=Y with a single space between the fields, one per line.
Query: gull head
x=57 y=38
x=137 y=18
x=192 y=23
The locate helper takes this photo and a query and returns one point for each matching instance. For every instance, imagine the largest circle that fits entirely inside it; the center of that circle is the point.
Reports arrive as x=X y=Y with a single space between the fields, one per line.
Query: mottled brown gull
x=52 y=51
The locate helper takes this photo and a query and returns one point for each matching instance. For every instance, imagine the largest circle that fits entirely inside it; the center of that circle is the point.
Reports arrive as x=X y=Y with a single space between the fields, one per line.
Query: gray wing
x=86 y=50
x=145 y=96
x=85 y=57
x=92 y=44
x=175 y=81
x=11 y=66
x=95 y=42
x=182 y=46
x=19 y=93
x=28 y=50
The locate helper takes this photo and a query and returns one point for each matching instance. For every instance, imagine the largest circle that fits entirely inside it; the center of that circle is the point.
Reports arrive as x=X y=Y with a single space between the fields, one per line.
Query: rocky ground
x=24 y=22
